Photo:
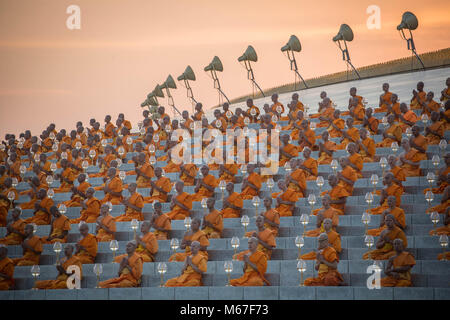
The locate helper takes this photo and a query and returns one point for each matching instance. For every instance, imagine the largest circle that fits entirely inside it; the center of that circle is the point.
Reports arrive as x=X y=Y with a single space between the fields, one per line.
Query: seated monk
x=384 y=243
x=419 y=96
x=297 y=103
x=104 y=163
x=252 y=112
x=160 y=222
x=86 y=247
x=357 y=111
x=391 y=189
x=429 y=105
x=105 y=228
x=296 y=180
x=67 y=177
x=393 y=107
x=366 y=146
x=446 y=228
x=255 y=266
x=418 y=141
x=325 y=109
x=306 y=137
x=271 y=217
x=78 y=193
x=181 y=203
x=353 y=95
x=410 y=159
x=334 y=239
x=266 y=240
x=59 y=228
x=391 y=134
x=398 y=268
x=62 y=265
x=407 y=118
x=445 y=94
x=212 y=222
x=291 y=116
x=385 y=98
x=435 y=131
x=336 y=125
x=251 y=184
x=14 y=229
x=288 y=151
x=286 y=199
x=326 y=264
x=41 y=214
x=326 y=113
x=277 y=107
x=198 y=115
x=130 y=269
x=308 y=165
x=133 y=205
x=232 y=205
x=188 y=172
x=144 y=172
x=159 y=188
x=349 y=135
x=326 y=212
x=296 y=126
x=356 y=160
x=35 y=186
x=370 y=122
x=90 y=208
x=326 y=149
x=32 y=248
x=194 y=234
x=394 y=210
x=442 y=182
x=6 y=270
x=348 y=176
x=205 y=187
x=445 y=202
x=147 y=244
x=338 y=195
x=397 y=171
x=228 y=171
x=113 y=188
x=195 y=264
x=445 y=115
x=5 y=203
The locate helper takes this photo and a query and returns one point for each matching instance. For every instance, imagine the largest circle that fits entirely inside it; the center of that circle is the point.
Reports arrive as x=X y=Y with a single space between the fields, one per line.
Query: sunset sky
x=125 y=47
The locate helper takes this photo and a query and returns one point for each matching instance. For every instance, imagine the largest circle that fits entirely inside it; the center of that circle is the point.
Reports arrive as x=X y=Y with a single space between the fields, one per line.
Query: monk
x=336 y=125
x=306 y=137
x=90 y=208
x=78 y=193
x=6 y=270
x=326 y=264
x=326 y=149
x=418 y=141
x=271 y=217
x=394 y=210
x=391 y=189
x=32 y=248
x=5 y=203
x=384 y=249
x=255 y=266
x=357 y=111
x=147 y=244
x=445 y=94
x=252 y=112
x=407 y=118
x=286 y=199
x=350 y=135
x=160 y=222
x=232 y=205
x=104 y=162
x=212 y=222
x=334 y=239
x=370 y=122
x=356 y=160
x=110 y=131
x=67 y=177
x=442 y=182
x=14 y=229
x=194 y=234
x=198 y=115
x=324 y=112
x=385 y=98
x=295 y=126
x=435 y=131
x=419 y=96
x=266 y=240
x=41 y=214
x=113 y=188
x=296 y=180
x=181 y=203
x=188 y=172
x=366 y=146
x=348 y=176
x=445 y=202
x=397 y=171
x=144 y=172
x=130 y=269
x=309 y=165
x=338 y=195
x=326 y=212
x=205 y=186
x=62 y=265
x=410 y=159
x=429 y=105
x=398 y=268
x=105 y=225
x=277 y=106
x=251 y=184
x=195 y=265
x=35 y=186
x=288 y=151
x=59 y=228
x=393 y=107
x=133 y=205
x=86 y=247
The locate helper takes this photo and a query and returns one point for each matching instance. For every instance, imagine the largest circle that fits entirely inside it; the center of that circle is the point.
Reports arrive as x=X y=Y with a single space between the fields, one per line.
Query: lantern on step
x=64 y=155
x=222 y=186
x=55 y=147
x=277 y=128
x=163 y=173
x=57 y=247
x=431 y=178
x=53 y=167
x=434 y=216
x=235 y=244
x=369 y=241
x=374 y=181
x=366 y=219
x=443 y=146
x=244 y=169
x=14 y=182
x=142 y=131
x=424 y=119
x=121 y=151
x=156 y=138
x=334 y=165
x=299 y=243
x=104 y=142
x=320 y=182
x=98 y=270
x=312 y=201
x=287 y=167
x=11 y=196
x=119 y=162
x=203 y=204
x=256 y=202
x=270 y=184
x=114 y=246
x=78 y=145
x=394 y=147
x=245 y=220
x=304 y=220
x=246 y=121
x=36 y=157
x=369 y=199
x=151 y=148
x=383 y=164
x=134 y=226
x=228 y=267
x=152 y=160
x=162 y=268
x=174 y=244
x=34 y=227
x=187 y=223
x=85 y=165
x=408 y=132
x=129 y=141
x=429 y=196
x=274 y=118
x=62 y=208
x=443 y=241
x=122 y=175
x=35 y=272
x=22 y=170
x=301 y=268
x=50 y=193
x=109 y=204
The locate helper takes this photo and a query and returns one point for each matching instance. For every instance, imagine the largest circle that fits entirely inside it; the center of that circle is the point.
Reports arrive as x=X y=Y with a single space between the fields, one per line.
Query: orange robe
x=91 y=213
x=438 y=127
x=236 y=200
x=336 y=193
x=147 y=170
x=399 y=215
x=251 y=276
x=354 y=136
x=104 y=168
x=413 y=170
x=163 y=221
x=326 y=275
x=41 y=217
x=340 y=123
x=148 y=251
x=373 y=125
x=225 y=176
x=285 y=210
x=370 y=145
x=6 y=267
x=357 y=160
x=386 y=100
x=299 y=176
x=76 y=199
x=334 y=239
x=324 y=158
x=5 y=205
x=138 y=201
x=289 y=149
x=421 y=97
x=211 y=181
x=190 y=278
x=216 y=219
x=312 y=165
x=387 y=250
x=393 y=190
x=115 y=184
x=14 y=238
x=29 y=258
x=59 y=225
x=394 y=130
x=127 y=278
x=350 y=174
x=179 y=213
x=69 y=174
x=102 y=235
x=403 y=259
x=358 y=112
x=273 y=216
x=61 y=279
x=311 y=136
x=408 y=116
x=267 y=236
x=199 y=236
x=192 y=170
x=434 y=106
x=88 y=254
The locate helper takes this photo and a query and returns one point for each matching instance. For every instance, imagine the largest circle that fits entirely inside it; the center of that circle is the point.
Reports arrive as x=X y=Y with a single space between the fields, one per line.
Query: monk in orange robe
x=338 y=195
x=393 y=107
x=106 y=226
x=443 y=182
x=160 y=222
x=366 y=146
x=266 y=240
x=252 y=112
x=334 y=239
x=233 y=204
x=198 y=115
x=271 y=217
x=445 y=202
x=252 y=184
x=295 y=126
x=326 y=149
x=213 y=221
x=6 y=270
x=326 y=212
x=110 y=131
x=306 y=137
x=228 y=171
x=90 y=208
x=14 y=229
x=62 y=265
x=255 y=266
x=348 y=176
x=195 y=265
x=357 y=111
x=205 y=186
x=188 y=172
x=288 y=151
x=370 y=122
x=385 y=98
x=32 y=248
x=277 y=106
x=78 y=193
x=407 y=118
x=35 y=186
x=398 y=172
x=308 y=165
x=410 y=159
x=67 y=177
x=356 y=160
x=445 y=94
x=296 y=180
x=391 y=134
x=419 y=96
x=147 y=244
x=384 y=245
x=286 y=199
x=418 y=141
x=392 y=189
x=349 y=135
x=194 y=234
x=181 y=203
x=326 y=264
x=144 y=172
x=291 y=116
x=324 y=112
x=130 y=269
x=113 y=188
x=446 y=115
x=446 y=228
x=5 y=203
x=336 y=125
x=429 y=105
x=59 y=228
x=86 y=247
x=104 y=163
x=398 y=269
x=133 y=205
x=435 y=131
x=394 y=210
x=42 y=206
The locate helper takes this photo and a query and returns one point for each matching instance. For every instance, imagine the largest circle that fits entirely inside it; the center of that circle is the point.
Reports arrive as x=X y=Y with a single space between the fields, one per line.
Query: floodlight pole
x=190 y=94
x=171 y=102
x=346 y=57
x=250 y=75
x=217 y=84
x=294 y=67
x=411 y=46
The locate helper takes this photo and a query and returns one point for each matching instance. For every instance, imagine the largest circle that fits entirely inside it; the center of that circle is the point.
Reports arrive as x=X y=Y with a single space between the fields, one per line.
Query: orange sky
x=125 y=47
